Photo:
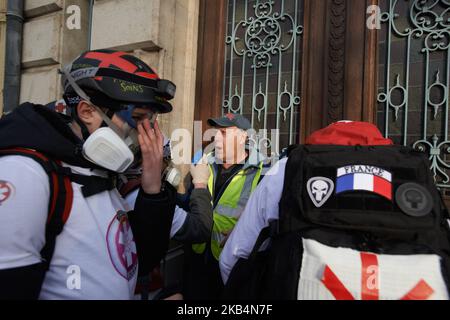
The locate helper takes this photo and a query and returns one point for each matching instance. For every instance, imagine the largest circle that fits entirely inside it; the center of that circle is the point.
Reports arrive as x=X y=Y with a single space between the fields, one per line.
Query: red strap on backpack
x=61 y=196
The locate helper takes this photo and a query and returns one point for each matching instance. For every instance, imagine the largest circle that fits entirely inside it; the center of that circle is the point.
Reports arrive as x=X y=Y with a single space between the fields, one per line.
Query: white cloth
x=364 y=276
x=261 y=209
x=95 y=255
x=24 y=200
x=178 y=219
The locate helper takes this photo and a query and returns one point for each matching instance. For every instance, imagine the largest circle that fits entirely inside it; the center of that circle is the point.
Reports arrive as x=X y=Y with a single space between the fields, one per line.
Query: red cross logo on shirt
x=126 y=245
x=370 y=283
x=60 y=108
x=122 y=248
x=6 y=190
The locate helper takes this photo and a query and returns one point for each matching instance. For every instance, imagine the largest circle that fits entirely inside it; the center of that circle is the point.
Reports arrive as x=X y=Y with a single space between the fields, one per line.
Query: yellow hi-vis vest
x=230 y=205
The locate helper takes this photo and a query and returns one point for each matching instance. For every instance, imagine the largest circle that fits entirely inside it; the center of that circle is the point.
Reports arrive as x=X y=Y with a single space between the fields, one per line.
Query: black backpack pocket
x=360 y=186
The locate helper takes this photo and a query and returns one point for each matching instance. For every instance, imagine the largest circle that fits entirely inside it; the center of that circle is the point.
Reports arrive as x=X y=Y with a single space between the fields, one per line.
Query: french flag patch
x=364 y=178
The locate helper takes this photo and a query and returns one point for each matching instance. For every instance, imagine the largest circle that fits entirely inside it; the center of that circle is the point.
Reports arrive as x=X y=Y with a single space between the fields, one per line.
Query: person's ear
x=89 y=116
x=86 y=113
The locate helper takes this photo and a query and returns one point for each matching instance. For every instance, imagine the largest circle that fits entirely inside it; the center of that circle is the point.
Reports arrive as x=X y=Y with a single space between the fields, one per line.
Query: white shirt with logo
x=95 y=255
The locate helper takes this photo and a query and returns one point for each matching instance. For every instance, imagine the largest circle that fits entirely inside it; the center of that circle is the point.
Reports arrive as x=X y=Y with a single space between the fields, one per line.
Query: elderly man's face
x=230 y=145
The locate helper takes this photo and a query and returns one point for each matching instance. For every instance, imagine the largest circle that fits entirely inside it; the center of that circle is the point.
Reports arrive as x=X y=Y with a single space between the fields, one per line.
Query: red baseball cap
x=349 y=133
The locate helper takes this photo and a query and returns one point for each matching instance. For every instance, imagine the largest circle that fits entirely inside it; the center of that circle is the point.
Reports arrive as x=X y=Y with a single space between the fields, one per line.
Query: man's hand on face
x=151 y=142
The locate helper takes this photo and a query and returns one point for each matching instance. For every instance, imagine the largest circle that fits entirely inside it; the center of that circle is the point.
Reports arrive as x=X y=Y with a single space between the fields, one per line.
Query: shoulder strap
x=268 y=233
x=129 y=187
x=61 y=196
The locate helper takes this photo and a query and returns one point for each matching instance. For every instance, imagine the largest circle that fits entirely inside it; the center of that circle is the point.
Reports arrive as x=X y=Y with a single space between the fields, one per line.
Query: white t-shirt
x=95 y=255
x=261 y=209
x=178 y=219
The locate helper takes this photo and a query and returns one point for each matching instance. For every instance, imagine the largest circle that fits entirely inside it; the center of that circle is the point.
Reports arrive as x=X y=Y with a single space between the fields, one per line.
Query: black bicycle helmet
x=115 y=80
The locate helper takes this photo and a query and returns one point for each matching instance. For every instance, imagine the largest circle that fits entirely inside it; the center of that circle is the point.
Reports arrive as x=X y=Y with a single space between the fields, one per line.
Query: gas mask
x=171 y=174
x=110 y=147
x=107 y=149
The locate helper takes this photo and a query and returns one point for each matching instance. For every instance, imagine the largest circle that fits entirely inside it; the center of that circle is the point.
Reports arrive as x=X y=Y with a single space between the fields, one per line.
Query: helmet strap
x=80 y=92
x=84 y=130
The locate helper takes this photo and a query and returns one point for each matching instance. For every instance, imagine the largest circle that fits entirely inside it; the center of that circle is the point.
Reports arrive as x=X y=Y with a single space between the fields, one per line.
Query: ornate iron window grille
x=262 y=67
x=414 y=84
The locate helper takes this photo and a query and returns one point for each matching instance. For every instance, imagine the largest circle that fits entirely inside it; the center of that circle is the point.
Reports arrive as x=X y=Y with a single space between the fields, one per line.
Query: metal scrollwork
x=436 y=151
x=424 y=31
x=260 y=42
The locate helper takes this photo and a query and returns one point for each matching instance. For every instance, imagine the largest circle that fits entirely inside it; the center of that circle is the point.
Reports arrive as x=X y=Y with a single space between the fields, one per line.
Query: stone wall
x=47 y=45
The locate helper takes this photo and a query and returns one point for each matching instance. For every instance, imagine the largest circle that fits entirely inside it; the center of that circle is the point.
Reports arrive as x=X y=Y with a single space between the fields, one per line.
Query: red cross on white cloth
x=346 y=274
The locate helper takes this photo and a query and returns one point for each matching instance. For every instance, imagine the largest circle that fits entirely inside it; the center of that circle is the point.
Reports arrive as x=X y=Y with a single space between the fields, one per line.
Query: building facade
x=289 y=65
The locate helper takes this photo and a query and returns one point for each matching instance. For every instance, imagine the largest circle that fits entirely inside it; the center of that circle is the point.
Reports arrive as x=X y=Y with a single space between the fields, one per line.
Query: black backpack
x=355 y=223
